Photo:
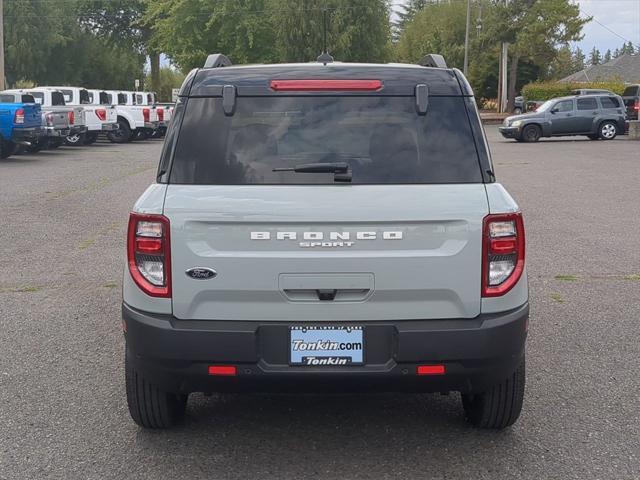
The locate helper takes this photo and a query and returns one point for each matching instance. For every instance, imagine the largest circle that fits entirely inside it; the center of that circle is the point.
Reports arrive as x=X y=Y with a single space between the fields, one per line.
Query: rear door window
x=381 y=138
x=587 y=103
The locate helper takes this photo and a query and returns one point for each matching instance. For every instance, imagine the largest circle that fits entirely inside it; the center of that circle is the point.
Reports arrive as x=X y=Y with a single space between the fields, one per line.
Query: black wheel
x=141 y=134
x=38 y=145
x=90 y=138
x=7 y=148
x=54 y=143
x=75 y=140
x=607 y=130
x=531 y=133
x=500 y=406
x=122 y=134
x=149 y=406
x=594 y=137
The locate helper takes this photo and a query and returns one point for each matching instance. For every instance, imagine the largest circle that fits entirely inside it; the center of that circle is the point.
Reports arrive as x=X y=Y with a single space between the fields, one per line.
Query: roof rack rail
x=216 y=60
x=433 y=60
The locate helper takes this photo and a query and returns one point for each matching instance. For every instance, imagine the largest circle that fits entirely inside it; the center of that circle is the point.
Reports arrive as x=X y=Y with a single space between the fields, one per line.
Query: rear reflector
x=326 y=85
x=222 y=370
x=431 y=370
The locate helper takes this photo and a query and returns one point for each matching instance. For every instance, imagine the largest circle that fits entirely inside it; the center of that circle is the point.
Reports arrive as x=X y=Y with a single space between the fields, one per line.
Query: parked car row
x=37 y=118
x=598 y=114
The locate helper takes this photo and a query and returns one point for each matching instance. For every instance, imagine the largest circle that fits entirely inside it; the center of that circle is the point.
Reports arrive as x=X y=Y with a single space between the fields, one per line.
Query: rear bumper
x=509 y=132
x=76 y=130
x=151 y=125
x=27 y=134
x=56 y=132
x=175 y=354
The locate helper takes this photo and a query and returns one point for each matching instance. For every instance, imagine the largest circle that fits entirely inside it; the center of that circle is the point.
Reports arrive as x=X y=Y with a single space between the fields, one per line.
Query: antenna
x=324 y=56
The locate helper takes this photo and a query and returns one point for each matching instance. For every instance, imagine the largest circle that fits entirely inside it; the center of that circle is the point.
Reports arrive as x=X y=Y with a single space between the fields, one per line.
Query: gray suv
x=325 y=227
x=596 y=116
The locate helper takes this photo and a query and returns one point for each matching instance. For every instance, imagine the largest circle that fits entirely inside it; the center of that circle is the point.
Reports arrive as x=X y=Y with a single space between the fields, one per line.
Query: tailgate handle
x=326 y=295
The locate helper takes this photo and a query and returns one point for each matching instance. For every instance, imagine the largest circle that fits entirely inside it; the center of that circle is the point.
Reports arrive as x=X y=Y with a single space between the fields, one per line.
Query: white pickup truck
x=55 y=122
x=134 y=121
x=53 y=101
x=96 y=116
x=163 y=112
x=104 y=112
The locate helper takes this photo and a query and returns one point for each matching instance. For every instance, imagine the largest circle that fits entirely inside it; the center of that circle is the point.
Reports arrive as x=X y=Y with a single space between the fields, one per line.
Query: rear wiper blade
x=341 y=170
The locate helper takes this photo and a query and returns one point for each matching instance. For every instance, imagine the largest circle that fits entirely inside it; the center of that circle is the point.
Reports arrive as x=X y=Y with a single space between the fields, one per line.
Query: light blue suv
x=325 y=227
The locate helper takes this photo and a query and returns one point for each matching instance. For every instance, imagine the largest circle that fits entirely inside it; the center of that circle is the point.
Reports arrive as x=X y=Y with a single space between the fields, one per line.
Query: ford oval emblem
x=201 y=273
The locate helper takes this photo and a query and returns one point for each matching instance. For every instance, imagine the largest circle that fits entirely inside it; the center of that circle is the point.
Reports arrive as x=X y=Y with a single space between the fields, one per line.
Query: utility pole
x=502 y=75
x=465 y=68
x=2 y=86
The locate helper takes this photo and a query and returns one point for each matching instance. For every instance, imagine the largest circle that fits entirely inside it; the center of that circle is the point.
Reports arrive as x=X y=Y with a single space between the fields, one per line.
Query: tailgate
x=367 y=252
x=32 y=115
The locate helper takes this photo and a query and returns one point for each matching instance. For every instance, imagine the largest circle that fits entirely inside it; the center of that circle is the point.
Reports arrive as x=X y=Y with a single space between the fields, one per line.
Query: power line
x=609 y=29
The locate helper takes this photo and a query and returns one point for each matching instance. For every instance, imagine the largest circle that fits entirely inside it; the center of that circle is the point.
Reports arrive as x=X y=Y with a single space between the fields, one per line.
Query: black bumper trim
x=175 y=354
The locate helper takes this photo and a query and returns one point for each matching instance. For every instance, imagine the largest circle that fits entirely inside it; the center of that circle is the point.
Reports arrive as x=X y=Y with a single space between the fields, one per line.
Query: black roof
x=397 y=79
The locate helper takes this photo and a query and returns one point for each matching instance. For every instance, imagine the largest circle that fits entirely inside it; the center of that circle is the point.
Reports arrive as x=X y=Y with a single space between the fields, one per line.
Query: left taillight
x=149 y=253
x=49 y=119
x=503 y=253
x=146 y=114
x=101 y=113
x=18 y=119
x=72 y=117
x=160 y=114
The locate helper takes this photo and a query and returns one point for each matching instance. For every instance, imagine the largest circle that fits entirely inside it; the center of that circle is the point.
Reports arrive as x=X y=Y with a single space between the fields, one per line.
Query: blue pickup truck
x=20 y=124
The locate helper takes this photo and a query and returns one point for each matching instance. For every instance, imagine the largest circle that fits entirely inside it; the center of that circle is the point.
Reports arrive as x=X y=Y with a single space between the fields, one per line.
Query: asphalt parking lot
x=63 y=412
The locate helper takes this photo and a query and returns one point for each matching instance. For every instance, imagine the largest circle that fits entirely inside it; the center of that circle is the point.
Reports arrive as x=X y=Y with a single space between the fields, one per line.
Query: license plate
x=321 y=345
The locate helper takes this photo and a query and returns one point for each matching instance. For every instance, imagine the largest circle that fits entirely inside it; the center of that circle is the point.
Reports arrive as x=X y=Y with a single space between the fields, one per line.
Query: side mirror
x=554 y=110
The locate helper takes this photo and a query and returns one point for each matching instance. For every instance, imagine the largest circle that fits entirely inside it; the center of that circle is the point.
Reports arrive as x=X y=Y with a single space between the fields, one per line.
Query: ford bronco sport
x=325 y=227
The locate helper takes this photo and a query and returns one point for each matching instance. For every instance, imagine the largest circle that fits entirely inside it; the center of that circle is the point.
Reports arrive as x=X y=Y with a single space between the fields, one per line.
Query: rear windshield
x=381 y=138
x=84 y=97
x=57 y=98
x=7 y=98
x=122 y=99
x=631 y=91
x=104 y=98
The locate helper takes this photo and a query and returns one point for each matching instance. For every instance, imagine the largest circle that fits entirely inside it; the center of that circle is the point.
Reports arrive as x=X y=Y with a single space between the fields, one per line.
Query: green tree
x=562 y=65
x=578 y=60
x=357 y=30
x=595 y=58
x=533 y=29
x=607 y=57
x=189 y=30
x=405 y=14
x=121 y=22
x=169 y=79
x=436 y=28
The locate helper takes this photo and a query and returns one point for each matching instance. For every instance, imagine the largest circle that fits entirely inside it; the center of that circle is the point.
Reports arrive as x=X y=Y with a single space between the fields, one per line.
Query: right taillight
x=149 y=253
x=101 y=113
x=636 y=106
x=49 y=119
x=502 y=253
x=160 y=111
x=146 y=114
x=72 y=117
x=18 y=118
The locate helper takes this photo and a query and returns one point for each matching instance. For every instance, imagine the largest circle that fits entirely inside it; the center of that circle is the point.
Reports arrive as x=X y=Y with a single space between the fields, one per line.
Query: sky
x=619 y=16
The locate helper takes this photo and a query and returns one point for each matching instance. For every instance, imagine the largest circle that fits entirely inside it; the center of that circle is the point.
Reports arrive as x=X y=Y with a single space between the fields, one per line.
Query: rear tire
x=149 y=406
x=500 y=406
x=75 y=140
x=54 y=143
x=531 y=133
x=90 y=138
x=7 y=148
x=607 y=130
x=122 y=134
